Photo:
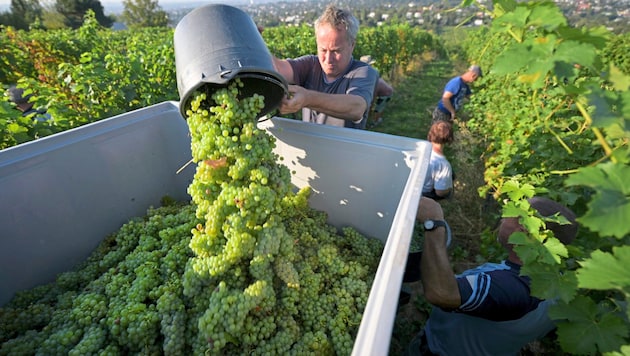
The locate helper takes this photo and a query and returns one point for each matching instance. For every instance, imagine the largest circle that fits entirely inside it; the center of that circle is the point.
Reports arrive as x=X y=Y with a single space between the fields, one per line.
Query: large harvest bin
x=61 y=195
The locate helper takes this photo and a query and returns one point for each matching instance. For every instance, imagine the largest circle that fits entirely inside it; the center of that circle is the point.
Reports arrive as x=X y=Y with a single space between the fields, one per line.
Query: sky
x=119 y=2
x=4 y=4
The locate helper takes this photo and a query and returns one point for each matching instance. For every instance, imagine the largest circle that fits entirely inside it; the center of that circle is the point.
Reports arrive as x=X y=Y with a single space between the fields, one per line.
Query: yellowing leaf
x=529 y=78
x=620 y=80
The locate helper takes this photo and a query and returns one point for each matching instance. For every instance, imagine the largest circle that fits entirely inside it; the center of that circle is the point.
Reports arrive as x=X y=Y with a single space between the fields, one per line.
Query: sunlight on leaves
x=605 y=270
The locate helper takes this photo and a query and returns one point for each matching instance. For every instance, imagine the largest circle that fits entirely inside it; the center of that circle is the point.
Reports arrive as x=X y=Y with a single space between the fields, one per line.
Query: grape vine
x=553 y=111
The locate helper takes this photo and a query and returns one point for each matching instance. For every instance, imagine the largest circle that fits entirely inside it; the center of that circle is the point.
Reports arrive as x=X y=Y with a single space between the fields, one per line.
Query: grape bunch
x=247 y=267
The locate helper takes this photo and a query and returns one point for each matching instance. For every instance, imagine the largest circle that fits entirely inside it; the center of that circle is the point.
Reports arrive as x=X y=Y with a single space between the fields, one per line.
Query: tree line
x=32 y=14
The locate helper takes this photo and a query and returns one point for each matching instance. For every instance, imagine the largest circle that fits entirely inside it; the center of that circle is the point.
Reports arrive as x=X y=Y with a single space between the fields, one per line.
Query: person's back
x=438 y=183
x=461 y=334
x=454 y=94
x=22 y=103
x=488 y=310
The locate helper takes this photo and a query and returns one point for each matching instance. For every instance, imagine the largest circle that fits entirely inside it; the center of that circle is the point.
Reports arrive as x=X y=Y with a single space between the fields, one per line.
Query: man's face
x=334 y=50
x=507 y=227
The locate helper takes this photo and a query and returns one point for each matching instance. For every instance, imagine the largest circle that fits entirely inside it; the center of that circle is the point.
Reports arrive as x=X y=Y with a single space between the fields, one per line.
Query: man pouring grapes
x=332 y=87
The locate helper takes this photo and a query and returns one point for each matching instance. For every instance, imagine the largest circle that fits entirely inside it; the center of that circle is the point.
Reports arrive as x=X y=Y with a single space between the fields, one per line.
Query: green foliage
x=391 y=46
x=290 y=42
x=23 y=13
x=597 y=270
x=586 y=327
x=74 y=11
x=144 y=13
x=554 y=110
x=616 y=53
x=609 y=204
x=84 y=75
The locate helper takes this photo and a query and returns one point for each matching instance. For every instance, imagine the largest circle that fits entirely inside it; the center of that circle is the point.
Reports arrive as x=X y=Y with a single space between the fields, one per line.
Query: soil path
x=409 y=114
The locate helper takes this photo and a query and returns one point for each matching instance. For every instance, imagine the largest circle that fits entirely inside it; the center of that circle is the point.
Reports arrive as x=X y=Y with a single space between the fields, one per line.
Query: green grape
x=247 y=267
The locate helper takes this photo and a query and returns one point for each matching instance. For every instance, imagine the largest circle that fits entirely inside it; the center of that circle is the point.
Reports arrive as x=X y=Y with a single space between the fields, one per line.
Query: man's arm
x=383 y=88
x=443 y=193
x=283 y=67
x=438 y=280
x=446 y=101
x=343 y=106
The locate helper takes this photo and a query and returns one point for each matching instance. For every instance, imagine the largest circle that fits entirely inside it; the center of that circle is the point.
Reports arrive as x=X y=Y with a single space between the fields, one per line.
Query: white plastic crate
x=61 y=195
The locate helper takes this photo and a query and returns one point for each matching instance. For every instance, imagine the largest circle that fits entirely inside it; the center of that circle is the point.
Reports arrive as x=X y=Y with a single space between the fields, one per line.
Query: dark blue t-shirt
x=460 y=91
x=497 y=316
x=496 y=291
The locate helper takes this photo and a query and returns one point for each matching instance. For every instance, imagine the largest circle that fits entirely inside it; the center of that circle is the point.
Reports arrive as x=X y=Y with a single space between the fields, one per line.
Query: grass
x=409 y=114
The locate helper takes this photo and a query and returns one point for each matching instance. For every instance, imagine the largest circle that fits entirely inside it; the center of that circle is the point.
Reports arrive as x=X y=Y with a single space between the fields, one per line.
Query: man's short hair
x=16 y=95
x=440 y=132
x=338 y=18
x=546 y=207
x=476 y=69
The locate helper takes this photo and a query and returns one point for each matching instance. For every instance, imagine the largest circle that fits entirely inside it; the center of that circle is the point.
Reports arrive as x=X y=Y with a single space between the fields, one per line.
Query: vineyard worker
x=331 y=87
x=438 y=183
x=487 y=310
x=455 y=92
x=16 y=95
x=382 y=95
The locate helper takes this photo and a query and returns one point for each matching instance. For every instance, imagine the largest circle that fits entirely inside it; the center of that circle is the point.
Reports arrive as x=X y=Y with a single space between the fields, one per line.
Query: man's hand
x=294 y=101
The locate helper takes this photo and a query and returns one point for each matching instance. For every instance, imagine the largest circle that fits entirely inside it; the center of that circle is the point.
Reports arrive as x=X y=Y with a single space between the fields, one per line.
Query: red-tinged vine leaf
x=609 y=208
x=605 y=271
x=584 y=328
x=547 y=282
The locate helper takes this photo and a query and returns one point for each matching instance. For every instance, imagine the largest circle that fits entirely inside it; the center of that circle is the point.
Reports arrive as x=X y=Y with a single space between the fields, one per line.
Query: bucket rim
x=262 y=75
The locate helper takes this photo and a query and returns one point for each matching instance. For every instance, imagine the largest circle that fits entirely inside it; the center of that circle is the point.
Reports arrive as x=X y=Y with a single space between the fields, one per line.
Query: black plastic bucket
x=217 y=43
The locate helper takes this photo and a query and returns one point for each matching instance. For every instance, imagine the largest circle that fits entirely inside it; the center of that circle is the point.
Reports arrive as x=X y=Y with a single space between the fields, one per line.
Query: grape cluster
x=246 y=268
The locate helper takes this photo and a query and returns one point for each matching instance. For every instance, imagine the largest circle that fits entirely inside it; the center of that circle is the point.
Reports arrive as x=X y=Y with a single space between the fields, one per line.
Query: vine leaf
x=584 y=327
x=604 y=101
x=605 y=271
x=546 y=15
x=610 y=205
x=620 y=80
x=576 y=52
x=547 y=282
x=530 y=250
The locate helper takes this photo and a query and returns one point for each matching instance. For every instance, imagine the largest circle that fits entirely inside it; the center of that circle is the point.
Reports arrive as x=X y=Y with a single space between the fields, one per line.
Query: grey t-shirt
x=461 y=334
x=359 y=79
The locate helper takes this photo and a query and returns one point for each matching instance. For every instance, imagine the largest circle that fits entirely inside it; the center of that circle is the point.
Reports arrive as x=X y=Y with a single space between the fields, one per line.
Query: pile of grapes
x=246 y=268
